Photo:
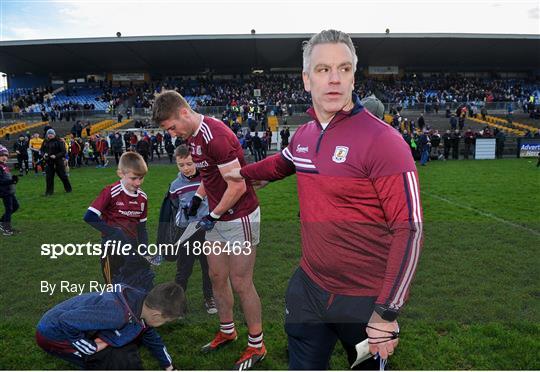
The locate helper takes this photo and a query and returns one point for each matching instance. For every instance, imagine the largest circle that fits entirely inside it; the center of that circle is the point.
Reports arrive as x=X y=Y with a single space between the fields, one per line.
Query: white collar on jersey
x=199 y=126
x=127 y=192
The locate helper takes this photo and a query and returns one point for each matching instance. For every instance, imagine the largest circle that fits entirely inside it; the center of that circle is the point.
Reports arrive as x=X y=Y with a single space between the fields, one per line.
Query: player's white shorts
x=245 y=229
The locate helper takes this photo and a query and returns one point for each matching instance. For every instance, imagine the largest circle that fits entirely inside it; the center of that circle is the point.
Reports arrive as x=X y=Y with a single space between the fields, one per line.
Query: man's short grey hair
x=327 y=37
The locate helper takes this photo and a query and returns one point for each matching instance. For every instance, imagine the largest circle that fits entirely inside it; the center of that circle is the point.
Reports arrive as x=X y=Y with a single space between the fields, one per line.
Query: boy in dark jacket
x=7 y=192
x=102 y=330
x=176 y=216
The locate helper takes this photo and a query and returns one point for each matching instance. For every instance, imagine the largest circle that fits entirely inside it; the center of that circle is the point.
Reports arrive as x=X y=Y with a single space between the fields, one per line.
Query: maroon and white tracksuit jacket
x=360 y=210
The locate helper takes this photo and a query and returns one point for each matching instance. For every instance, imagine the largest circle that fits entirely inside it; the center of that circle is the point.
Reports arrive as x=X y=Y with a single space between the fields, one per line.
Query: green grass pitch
x=474 y=303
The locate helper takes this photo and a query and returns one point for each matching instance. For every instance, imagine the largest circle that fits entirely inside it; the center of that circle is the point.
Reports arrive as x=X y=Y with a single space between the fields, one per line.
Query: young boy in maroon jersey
x=119 y=213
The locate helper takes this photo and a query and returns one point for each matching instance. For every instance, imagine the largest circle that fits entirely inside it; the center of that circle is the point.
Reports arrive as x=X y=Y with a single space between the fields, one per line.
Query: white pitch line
x=485 y=214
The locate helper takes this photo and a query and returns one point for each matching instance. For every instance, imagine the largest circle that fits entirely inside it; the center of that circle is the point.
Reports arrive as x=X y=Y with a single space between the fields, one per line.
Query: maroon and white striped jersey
x=118 y=207
x=214 y=145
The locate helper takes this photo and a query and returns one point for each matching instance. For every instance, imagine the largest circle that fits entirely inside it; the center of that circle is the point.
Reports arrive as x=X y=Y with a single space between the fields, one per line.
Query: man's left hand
x=383 y=336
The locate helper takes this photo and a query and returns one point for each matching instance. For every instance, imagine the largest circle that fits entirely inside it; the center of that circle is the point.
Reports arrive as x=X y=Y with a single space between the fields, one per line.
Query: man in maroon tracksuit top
x=360 y=211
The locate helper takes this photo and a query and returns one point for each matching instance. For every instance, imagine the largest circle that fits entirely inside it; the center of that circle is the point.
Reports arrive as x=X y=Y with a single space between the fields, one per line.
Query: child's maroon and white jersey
x=360 y=211
x=118 y=207
x=214 y=145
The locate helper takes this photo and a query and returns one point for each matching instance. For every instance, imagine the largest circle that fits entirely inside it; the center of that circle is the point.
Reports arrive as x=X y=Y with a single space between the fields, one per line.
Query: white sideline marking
x=480 y=212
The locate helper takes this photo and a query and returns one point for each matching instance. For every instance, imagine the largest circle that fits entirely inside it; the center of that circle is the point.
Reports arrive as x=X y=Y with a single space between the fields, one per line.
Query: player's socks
x=227 y=327
x=255 y=340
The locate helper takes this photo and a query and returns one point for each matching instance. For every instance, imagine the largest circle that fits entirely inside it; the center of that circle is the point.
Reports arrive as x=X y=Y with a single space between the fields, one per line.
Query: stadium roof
x=243 y=53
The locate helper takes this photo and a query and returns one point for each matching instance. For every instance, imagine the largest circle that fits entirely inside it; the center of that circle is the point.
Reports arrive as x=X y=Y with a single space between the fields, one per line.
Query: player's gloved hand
x=207 y=223
x=154 y=260
x=194 y=205
x=14 y=179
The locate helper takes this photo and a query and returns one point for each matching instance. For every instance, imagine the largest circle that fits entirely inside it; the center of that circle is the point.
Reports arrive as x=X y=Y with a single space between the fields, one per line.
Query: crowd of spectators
x=450 y=89
x=278 y=90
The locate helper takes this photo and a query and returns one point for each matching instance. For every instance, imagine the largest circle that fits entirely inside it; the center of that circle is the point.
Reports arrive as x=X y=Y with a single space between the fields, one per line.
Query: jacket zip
x=319 y=141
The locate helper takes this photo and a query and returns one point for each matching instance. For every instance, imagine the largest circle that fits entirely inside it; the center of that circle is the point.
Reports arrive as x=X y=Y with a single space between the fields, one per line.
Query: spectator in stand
x=483 y=112
x=424 y=145
x=264 y=143
x=78 y=129
x=143 y=148
x=74 y=153
x=447 y=143
x=461 y=120
x=454 y=141
x=284 y=134
x=21 y=149
x=421 y=122
x=407 y=138
x=127 y=137
x=257 y=146
x=500 y=139
x=169 y=148
x=435 y=143
x=35 y=145
x=46 y=129
x=269 y=138
x=159 y=138
x=116 y=147
x=154 y=147
x=102 y=148
x=80 y=158
x=167 y=138
x=54 y=151
x=453 y=122
x=469 y=140
x=87 y=153
x=249 y=142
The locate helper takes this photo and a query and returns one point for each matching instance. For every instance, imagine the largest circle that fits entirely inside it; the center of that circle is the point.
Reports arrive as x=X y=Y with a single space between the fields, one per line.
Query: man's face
x=177 y=125
x=330 y=79
x=131 y=181
x=3 y=158
x=186 y=165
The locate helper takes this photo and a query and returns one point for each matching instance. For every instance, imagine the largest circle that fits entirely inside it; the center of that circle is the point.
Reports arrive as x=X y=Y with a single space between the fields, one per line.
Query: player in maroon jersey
x=233 y=222
x=360 y=212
